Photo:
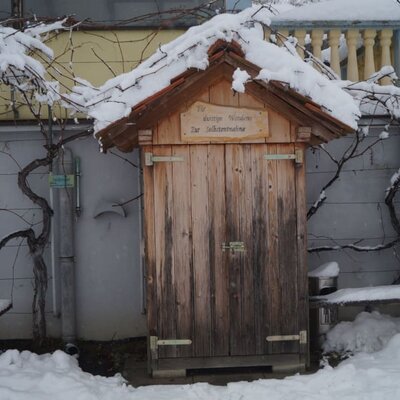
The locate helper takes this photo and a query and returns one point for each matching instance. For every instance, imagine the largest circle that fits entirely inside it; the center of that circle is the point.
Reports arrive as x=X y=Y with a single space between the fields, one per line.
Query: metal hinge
x=297 y=156
x=155 y=342
x=149 y=159
x=301 y=337
x=233 y=246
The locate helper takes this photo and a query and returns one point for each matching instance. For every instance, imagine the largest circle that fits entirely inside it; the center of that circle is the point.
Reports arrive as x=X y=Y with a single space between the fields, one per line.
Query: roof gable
x=224 y=59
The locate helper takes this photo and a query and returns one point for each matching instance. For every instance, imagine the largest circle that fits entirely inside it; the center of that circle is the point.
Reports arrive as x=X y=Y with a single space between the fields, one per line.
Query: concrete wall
x=355 y=209
x=108 y=271
x=109 y=275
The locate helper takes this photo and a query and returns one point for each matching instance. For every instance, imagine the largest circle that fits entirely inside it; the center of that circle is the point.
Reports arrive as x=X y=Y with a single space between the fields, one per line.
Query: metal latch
x=233 y=246
x=301 y=337
x=297 y=156
x=155 y=342
x=149 y=159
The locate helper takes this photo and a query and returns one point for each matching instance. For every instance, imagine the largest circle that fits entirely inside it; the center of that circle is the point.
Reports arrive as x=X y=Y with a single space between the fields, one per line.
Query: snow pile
x=373 y=293
x=368 y=333
x=54 y=376
x=328 y=270
x=344 y=10
x=115 y=99
x=26 y=376
x=239 y=79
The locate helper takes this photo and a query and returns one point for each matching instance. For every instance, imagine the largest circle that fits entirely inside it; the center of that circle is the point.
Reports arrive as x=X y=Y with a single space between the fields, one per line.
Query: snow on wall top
x=115 y=99
x=344 y=10
x=372 y=293
x=328 y=270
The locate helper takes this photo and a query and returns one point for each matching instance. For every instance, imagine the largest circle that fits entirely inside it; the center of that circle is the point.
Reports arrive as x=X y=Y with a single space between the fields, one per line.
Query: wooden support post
x=369 y=62
x=385 y=40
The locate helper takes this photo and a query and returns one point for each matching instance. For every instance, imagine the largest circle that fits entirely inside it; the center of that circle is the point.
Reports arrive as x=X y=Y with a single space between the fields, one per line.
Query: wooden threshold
x=279 y=362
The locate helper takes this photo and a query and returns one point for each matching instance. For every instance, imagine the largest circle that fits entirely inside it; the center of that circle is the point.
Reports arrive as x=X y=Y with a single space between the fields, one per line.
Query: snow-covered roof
x=115 y=99
x=344 y=10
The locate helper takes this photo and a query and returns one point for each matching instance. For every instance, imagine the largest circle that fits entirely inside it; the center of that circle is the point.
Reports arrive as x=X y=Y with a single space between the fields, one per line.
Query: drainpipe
x=54 y=240
x=67 y=255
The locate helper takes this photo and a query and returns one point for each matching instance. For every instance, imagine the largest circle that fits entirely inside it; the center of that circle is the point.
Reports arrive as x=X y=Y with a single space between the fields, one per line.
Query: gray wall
x=108 y=271
x=109 y=275
x=355 y=209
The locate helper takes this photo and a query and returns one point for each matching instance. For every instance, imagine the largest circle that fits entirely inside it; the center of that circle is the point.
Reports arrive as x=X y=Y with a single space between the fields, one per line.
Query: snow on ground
x=115 y=99
x=365 y=376
x=369 y=332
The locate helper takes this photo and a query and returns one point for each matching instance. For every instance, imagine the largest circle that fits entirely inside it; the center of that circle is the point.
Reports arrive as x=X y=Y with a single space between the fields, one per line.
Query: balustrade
x=353 y=53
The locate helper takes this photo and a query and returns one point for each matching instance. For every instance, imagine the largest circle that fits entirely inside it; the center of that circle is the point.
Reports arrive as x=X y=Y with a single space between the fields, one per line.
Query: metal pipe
x=78 y=208
x=53 y=201
x=67 y=254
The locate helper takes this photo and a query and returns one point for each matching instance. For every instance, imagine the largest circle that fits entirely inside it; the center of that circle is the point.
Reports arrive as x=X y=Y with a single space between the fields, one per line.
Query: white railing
x=353 y=53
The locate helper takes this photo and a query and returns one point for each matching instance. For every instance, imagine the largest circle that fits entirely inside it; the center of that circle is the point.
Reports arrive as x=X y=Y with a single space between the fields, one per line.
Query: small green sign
x=61 y=181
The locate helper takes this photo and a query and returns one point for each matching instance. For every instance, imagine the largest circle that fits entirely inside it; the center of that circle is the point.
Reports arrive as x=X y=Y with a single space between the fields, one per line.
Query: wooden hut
x=225 y=216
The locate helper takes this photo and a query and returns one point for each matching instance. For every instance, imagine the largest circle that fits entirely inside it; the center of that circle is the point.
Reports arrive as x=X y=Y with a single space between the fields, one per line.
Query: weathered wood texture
x=226 y=302
x=167 y=131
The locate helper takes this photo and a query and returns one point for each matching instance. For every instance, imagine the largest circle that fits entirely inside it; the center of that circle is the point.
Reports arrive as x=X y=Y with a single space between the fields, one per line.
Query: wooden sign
x=209 y=122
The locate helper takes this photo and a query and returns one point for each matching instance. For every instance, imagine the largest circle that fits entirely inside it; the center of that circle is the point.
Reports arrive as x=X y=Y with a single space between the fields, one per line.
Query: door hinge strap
x=297 y=156
x=301 y=337
x=233 y=246
x=155 y=342
x=149 y=159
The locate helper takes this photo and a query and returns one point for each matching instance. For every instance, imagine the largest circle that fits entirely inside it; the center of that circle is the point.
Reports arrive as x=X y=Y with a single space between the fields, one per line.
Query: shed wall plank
x=201 y=249
x=219 y=265
x=182 y=247
x=164 y=251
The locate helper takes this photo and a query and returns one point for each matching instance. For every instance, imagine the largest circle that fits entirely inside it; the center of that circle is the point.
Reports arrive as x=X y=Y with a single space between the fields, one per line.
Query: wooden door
x=201 y=286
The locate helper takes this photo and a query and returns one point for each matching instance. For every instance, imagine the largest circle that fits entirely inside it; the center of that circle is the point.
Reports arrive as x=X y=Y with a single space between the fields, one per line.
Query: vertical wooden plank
x=150 y=251
x=272 y=288
x=201 y=257
x=182 y=246
x=287 y=247
x=233 y=189
x=245 y=100
x=301 y=212
x=164 y=250
x=279 y=128
x=247 y=258
x=168 y=130
x=219 y=273
x=260 y=217
x=222 y=94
